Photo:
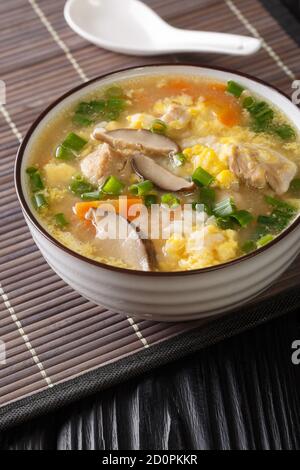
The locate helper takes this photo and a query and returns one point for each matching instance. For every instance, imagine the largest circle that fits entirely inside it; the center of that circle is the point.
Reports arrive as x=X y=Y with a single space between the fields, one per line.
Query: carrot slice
x=226 y=107
x=192 y=88
x=230 y=116
x=179 y=85
x=81 y=208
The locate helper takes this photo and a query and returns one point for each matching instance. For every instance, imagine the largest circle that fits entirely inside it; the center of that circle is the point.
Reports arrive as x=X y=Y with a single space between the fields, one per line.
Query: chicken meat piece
x=259 y=166
x=177 y=116
x=104 y=161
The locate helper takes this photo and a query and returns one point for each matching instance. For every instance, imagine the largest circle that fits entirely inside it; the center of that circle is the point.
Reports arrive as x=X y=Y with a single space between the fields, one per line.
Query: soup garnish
x=163 y=173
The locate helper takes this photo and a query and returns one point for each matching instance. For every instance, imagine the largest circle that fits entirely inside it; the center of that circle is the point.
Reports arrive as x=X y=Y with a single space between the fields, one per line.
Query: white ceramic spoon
x=131 y=27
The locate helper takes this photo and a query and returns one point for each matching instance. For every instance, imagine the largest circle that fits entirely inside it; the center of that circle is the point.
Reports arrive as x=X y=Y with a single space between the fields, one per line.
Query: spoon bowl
x=131 y=27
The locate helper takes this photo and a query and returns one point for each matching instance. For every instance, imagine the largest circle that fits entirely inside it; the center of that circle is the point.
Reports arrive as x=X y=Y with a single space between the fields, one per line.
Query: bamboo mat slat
x=52 y=334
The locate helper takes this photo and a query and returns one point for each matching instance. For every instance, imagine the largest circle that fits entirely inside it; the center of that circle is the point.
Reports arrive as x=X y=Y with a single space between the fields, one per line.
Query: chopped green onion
x=259 y=127
x=248 y=102
x=243 y=218
x=92 y=196
x=256 y=108
x=201 y=207
x=262 y=116
x=206 y=200
x=87 y=113
x=82 y=120
x=74 y=142
x=63 y=153
x=84 y=108
x=207 y=195
x=273 y=219
x=80 y=186
x=36 y=182
x=158 y=126
x=92 y=108
x=197 y=206
x=170 y=200
x=39 y=201
x=113 y=108
x=150 y=199
x=97 y=107
x=112 y=186
x=112 y=115
x=285 y=132
x=295 y=185
x=281 y=205
x=280 y=217
x=114 y=92
x=227 y=214
x=266 y=220
x=140 y=189
x=225 y=208
x=31 y=169
x=201 y=178
x=260 y=231
x=61 y=220
x=178 y=159
x=262 y=119
x=277 y=221
x=264 y=240
x=115 y=104
x=261 y=111
x=234 y=88
x=249 y=246
x=225 y=223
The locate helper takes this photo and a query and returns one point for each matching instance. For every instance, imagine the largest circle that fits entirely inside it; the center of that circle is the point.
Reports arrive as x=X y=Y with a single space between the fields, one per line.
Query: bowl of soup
x=168 y=192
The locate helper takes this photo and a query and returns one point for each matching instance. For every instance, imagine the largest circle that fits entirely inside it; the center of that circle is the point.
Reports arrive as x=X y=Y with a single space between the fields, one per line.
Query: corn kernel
x=175 y=245
x=188 y=153
x=208 y=159
x=226 y=179
x=226 y=250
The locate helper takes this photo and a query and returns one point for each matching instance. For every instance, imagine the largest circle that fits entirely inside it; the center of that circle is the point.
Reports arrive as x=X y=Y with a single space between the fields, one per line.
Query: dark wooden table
x=243 y=393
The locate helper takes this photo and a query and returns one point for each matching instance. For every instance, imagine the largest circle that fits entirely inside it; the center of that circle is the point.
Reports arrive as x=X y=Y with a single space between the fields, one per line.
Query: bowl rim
x=30 y=215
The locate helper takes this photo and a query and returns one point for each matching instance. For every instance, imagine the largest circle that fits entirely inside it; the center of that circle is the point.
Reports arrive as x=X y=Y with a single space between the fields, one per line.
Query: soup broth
x=167 y=143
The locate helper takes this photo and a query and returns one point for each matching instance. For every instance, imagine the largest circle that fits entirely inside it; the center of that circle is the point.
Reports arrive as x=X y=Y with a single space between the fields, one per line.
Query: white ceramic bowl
x=162 y=296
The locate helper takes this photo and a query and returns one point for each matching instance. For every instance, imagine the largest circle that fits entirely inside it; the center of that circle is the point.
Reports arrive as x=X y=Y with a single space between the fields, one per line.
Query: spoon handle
x=203 y=41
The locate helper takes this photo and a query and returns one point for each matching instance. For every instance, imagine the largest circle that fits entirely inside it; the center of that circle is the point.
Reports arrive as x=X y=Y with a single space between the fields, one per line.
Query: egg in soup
x=192 y=172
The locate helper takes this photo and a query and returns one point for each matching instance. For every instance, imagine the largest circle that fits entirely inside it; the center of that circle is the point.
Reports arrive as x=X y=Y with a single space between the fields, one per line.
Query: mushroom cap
x=162 y=178
x=137 y=140
x=119 y=239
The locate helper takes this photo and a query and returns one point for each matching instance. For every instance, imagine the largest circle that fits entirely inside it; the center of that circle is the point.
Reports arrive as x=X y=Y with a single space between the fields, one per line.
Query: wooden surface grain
x=217 y=398
x=240 y=394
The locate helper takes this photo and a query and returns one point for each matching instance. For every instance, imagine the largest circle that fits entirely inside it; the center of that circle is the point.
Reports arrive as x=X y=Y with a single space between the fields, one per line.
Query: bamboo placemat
x=59 y=346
